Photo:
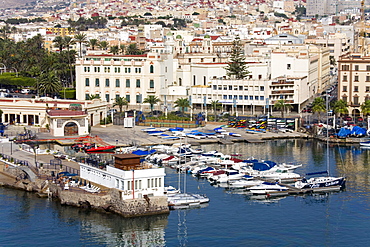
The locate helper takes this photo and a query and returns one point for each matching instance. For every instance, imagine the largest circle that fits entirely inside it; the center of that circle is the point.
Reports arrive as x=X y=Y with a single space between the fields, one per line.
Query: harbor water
x=232 y=218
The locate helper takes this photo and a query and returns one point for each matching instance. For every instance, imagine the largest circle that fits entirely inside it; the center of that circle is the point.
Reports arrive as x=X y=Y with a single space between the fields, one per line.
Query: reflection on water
x=19 y=208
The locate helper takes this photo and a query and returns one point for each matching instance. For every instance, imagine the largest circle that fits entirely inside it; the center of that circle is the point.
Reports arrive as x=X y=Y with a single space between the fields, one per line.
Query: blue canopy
x=144 y=152
x=356 y=130
x=344 y=132
x=258 y=166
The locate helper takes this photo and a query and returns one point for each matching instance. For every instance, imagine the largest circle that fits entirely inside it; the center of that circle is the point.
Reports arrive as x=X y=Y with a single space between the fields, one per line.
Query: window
x=138 y=99
x=127 y=82
x=262 y=88
x=241 y=88
x=230 y=87
x=87 y=82
x=245 y=97
x=256 y=97
x=355 y=89
x=367 y=67
x=117 y=70
x=225 y=87
x=235 y=97
x=128 y=185
x=345 y=78
x=345 y=67
x=344 y=88
x=230 y=97
x=107 y=69
x=189 y=60
x=151 y=69
x=107 y=82
x=240 y=97
x=128 y=98
x=137 y=82
x=262 y=98
x=225 y=97
x=214 y=87
x=250 y=97
x=344 y=98
x=356 y=78
x=97 y=82
x=288 y=66
x=356 y=67
x=127 y=70
x=87 y=96
x=87 y=69
x=367 y=78
x=137 y=70
x=151 y=84
x=259 y=77
x=97 y=69
x=367 y=89
x=107 y=97
x=355 y=100
x=117 y=83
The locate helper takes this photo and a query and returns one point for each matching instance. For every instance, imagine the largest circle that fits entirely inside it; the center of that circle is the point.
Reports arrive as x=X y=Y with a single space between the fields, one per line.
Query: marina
x=229 y=207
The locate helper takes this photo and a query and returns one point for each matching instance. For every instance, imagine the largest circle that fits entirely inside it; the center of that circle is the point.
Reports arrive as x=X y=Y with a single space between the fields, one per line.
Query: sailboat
x=322 y=181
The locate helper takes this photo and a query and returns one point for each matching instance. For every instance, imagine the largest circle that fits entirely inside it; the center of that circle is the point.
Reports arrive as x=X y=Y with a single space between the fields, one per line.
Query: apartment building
x=354 y=80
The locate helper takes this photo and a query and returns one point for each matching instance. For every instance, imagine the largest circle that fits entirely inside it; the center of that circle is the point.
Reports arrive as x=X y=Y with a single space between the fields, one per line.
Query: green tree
x=152 y=100
x=282 y=106
x=237 y=68
x=182 y=103
x=365 y=108
x=340 y=108
x=93 y=43
x=133 y=50
x=5 y=31
x=122 y=48
x=114 y=49
x=103 y=45
x=80 y=39
x=319 y=106
x=93 y=96
x=49 y=84
x=68 y=42
x=215 y=104
x=120 y=102
x=59 y=43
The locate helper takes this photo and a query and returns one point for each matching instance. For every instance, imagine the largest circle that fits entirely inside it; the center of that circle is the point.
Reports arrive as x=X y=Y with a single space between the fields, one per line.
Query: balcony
x=283 y=92
x=150 y=90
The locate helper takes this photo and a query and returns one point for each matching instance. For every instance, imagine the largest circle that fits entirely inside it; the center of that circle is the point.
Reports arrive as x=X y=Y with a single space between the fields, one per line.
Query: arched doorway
x=70 y=129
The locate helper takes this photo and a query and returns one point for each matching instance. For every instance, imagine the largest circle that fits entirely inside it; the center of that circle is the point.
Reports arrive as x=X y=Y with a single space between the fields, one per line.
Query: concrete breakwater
x=110 y=201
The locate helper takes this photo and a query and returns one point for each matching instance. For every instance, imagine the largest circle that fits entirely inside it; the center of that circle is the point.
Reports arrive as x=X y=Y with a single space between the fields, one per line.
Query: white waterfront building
x=132 y=183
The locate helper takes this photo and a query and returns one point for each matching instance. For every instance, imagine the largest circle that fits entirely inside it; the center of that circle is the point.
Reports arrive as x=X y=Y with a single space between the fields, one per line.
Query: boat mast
x=327 y=134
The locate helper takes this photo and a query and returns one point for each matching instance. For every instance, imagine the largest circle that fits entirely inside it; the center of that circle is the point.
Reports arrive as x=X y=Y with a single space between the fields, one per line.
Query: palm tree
x=122 y=48
x=133 y=50
x=93 y=43
x=182 y=103
x=282 y=106
x=59 y=43
x=103 y=45
x=68 y=42
x=318 y=105
x=152 y=100
x=114 y=49
x=340 y=108
x=48 y=83
x=5 y=31
x=81 y=39
x=215 y=105
x=120 y=102
x=365 y=108
x=93 y=96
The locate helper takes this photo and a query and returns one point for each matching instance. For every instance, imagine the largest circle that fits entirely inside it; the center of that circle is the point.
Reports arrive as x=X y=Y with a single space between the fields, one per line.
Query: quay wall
x=105 y=202
x=112 y=202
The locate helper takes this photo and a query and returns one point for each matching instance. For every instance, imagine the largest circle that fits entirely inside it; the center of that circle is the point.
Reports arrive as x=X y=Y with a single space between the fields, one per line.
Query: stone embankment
x=109 y=201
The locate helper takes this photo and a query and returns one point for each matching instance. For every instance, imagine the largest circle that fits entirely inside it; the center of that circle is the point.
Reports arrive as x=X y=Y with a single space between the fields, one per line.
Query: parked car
x=347 y=118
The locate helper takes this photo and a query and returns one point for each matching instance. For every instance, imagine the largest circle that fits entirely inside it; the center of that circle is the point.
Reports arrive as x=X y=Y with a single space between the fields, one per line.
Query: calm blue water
x=335 y=219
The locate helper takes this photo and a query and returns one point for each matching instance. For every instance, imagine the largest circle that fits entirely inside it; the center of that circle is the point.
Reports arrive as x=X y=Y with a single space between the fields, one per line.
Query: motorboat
x=101 y=149
x=245 y=182
x=266 y=188
x=320 y=182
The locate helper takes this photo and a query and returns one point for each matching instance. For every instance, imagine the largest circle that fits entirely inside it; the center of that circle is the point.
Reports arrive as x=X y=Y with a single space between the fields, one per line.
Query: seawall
x=104 y=202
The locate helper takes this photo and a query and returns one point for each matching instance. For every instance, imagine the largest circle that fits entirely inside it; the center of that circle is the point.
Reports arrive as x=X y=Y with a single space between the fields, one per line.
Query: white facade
x=132 y=184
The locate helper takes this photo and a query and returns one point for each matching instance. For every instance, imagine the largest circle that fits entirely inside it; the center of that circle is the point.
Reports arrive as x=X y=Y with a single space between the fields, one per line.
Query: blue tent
x=358 y=131
x=144 y=152
x=344 y=132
